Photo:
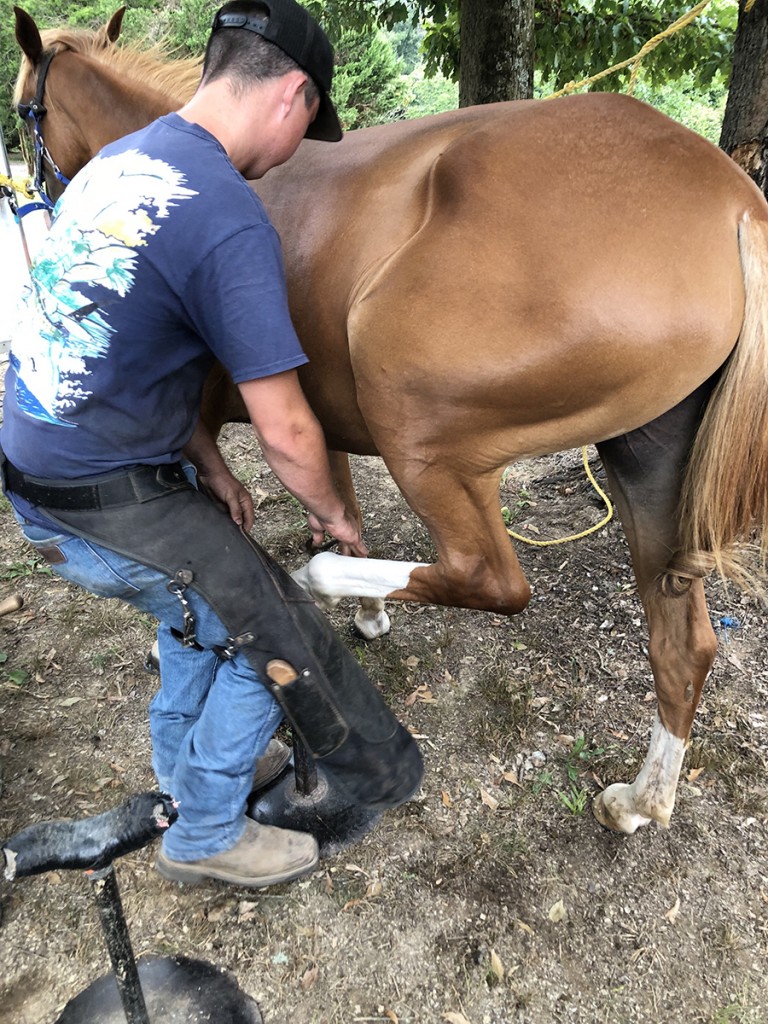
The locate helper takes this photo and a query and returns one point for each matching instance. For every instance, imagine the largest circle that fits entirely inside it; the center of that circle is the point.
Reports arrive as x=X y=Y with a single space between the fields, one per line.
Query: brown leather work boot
x=270 y=764
x=265 y=855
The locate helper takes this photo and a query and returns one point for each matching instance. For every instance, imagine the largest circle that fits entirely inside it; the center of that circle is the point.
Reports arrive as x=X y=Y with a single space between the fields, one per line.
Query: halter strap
x=33 y=113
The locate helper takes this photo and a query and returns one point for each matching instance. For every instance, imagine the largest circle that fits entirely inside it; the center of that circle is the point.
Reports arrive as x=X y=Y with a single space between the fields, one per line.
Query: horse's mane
x=151 y=64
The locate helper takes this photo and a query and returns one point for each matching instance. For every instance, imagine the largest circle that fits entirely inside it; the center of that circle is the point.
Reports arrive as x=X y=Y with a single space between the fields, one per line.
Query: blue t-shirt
x=160 y=258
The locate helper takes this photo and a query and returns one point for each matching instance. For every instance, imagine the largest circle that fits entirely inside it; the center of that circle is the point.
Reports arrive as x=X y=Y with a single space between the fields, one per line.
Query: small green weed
x=579 y=756
x=545 y=778
x=511 y=515
x=575 y=801
x=104 y=659
x=25 y=567
x=17 y=677
x=734 y=1013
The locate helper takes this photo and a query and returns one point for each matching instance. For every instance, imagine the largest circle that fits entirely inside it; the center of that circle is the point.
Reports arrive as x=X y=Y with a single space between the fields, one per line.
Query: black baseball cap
x=293 y=29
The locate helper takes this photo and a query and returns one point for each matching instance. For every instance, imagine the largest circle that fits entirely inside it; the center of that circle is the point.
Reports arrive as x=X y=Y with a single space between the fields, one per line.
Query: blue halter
x=32 y=113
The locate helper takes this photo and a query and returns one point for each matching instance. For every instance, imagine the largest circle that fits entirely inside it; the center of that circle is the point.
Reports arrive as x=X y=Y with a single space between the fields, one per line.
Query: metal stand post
x=110 y=908
x=304 y=798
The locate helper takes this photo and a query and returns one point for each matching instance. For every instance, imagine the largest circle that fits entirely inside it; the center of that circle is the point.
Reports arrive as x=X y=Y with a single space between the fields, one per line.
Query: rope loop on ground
x=584 y=533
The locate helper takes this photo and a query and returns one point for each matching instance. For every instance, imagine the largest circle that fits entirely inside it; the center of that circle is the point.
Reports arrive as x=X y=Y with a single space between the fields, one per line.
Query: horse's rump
x=568 y=269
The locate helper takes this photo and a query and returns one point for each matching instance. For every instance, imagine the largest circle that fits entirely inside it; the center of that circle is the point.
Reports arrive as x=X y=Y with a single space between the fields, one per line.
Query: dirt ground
x=491 y=898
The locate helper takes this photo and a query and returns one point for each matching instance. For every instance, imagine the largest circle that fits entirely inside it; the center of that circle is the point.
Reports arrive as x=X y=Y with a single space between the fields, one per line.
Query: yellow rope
x=584 y=533
x=24 y=188
x=638 y=58
x=749 y=5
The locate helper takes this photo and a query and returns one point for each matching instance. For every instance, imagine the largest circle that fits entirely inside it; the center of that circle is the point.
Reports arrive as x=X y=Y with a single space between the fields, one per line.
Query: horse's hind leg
x=645 y=469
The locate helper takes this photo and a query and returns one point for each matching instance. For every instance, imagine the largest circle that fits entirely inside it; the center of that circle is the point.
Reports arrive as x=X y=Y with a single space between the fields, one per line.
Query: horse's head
x=77 y=91
x=59 y=144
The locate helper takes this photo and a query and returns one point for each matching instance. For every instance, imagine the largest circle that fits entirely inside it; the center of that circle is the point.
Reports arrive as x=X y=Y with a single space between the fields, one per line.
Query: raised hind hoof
x=371 y=626
x=614 y=808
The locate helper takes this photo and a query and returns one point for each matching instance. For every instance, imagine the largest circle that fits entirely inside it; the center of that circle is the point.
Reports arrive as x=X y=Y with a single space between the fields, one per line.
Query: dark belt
x=135 y=485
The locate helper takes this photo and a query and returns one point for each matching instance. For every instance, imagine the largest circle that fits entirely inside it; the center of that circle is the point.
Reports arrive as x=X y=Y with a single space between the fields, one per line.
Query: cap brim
x=326 y=127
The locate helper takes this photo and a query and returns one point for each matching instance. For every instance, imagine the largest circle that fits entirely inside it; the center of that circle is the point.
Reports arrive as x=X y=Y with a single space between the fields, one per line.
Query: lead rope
x=584 y=533
x=9 y=188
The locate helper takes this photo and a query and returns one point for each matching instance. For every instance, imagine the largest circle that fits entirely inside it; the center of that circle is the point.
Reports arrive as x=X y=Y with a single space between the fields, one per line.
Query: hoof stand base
x=176 y=990
x=324 y=813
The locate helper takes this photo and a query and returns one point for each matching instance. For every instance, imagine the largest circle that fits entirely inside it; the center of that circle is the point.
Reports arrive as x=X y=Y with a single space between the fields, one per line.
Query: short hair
x=247 y=58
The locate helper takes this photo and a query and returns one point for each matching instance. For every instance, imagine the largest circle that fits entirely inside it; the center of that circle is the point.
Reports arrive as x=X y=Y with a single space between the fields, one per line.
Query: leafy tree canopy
x=574 y=38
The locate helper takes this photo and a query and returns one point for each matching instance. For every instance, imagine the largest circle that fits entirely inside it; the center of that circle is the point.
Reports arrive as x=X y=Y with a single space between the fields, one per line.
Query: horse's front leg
x=371 y=620
x=476 y=567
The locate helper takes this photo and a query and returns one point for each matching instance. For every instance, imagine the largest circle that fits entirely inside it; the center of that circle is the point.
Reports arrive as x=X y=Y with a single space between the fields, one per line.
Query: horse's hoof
x=371 y=627
x=614 y=809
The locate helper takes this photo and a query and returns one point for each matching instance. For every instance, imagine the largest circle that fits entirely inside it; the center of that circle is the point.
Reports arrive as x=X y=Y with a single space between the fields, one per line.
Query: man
x=159 y=259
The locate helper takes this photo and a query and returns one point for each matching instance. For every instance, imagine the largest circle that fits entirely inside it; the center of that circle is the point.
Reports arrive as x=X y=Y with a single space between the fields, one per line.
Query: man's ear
x=295 y=83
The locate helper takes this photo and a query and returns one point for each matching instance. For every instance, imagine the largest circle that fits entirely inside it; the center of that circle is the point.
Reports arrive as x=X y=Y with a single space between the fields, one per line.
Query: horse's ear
x=111 y=30
x=28 y=35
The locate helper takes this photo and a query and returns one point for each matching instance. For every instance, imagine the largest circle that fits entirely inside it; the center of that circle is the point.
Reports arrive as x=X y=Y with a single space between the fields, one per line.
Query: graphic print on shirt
x=118 y=202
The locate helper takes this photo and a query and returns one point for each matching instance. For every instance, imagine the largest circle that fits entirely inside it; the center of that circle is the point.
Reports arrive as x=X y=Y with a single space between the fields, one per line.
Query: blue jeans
x=211 y=719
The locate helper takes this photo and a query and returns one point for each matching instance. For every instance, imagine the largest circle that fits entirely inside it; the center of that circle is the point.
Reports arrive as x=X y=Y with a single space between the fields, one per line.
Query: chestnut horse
x=496 y=283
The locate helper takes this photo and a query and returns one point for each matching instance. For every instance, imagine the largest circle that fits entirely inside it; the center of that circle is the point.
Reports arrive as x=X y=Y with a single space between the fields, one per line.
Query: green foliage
x=699 y=109
x=579 y=756
x=685 y=76
x=406 y=40
x=574 y=38
x=25 y=567
x=368 y=87
x=188 y=26
x=578 y=38
x=575 y=801
x=442 y=48
x=432 y=96
x=17 y=677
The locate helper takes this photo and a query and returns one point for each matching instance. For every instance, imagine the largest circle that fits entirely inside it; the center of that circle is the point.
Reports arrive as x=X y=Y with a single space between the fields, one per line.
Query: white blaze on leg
x=651 y=797
x=328 y=577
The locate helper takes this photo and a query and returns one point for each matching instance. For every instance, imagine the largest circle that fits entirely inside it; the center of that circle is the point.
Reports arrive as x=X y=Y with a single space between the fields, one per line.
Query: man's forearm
x=299 y=459
x=294 y=446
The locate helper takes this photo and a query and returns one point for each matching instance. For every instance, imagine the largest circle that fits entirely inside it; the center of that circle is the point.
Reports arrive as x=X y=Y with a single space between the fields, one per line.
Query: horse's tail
x=725 y=492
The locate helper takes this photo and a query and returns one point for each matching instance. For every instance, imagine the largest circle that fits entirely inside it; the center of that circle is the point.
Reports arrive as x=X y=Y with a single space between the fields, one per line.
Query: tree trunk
x=496 y=51
x=745 y=126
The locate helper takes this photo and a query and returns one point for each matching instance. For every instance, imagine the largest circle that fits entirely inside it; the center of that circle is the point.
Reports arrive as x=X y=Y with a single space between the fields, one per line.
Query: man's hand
x=227 y=489
x=345 y=530
x=293 y=444
x=216 y=479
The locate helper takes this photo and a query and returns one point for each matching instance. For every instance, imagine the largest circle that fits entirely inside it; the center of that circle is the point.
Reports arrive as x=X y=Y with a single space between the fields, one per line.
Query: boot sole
x=177 y=872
